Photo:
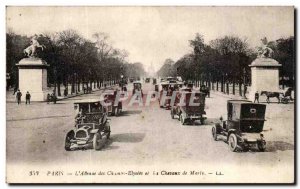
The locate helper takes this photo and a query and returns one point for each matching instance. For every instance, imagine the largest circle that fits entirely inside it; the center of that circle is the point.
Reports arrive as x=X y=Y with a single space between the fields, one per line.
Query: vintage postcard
x=99 y=94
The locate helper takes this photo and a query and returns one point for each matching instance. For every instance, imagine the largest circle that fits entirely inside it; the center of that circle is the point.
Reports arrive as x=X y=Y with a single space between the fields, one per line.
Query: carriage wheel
x=214 y=133
x=232 y=142
x=96 y=141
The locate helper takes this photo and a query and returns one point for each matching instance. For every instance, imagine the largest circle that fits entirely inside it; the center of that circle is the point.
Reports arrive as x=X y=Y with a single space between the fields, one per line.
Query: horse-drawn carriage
x=284 y=96
x=243 y=127
x=189 y=106
x=91 y=126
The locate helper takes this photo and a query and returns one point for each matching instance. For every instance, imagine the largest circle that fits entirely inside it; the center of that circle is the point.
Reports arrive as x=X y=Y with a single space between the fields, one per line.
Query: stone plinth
x=33 y=78
x=264 y=76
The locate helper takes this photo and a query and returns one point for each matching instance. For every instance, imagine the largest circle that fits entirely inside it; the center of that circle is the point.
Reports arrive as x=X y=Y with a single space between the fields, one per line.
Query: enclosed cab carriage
x=189 y=106
x=243 y=127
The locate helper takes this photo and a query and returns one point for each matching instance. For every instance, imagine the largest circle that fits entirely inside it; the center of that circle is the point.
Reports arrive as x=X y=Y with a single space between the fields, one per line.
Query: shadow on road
x=130 y=112
x=35 y=118
x=128 y=137
x=273 y=146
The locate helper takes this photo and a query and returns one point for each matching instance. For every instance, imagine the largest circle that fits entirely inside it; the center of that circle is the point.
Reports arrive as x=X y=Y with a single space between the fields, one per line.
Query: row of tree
x=73 y=59
x=227 y=59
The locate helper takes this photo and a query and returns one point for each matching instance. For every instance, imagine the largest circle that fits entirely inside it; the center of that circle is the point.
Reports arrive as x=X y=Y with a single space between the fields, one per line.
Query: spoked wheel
x=68 y=143
x=232 y=142
x=214 y=133
x=182 y=119
x=96 y=141
x=261 y=146
x=116 y=111
x=108 y=132
x=172 y=114
x=202 y=121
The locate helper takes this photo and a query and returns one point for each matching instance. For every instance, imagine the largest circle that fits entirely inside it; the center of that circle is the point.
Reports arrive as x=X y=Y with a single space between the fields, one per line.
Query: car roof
x=88 y=101
x=240 y=101
x=137 y=82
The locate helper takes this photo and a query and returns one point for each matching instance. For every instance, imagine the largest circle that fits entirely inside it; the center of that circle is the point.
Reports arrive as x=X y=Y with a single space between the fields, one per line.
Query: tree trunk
x=240 y=88
x=227 y=88
x=233 y=87
x=58 y=89
x=73 y=85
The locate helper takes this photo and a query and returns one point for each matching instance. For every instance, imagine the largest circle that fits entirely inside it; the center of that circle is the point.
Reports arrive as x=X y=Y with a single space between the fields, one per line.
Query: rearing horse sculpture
x=30 y=51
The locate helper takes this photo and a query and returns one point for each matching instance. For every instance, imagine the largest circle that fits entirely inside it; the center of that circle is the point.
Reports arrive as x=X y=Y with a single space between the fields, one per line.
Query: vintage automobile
x=110 y=96
x=147 y=80
x=167 y=87
x=245 y=121
x=91 y=126
x=137 y=89
x=188 y=110
x=204 y=89
x=154 y=81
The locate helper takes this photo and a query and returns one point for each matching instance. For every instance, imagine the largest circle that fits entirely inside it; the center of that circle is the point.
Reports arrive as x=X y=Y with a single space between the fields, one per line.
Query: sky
x=153 y=34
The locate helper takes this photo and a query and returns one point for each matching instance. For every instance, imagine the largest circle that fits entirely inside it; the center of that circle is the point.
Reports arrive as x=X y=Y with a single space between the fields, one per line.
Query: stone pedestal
x=33 y=78
x=264 y=76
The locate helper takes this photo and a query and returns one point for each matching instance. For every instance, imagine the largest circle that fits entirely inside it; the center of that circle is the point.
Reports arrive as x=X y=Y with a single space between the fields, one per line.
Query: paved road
x=147 y=137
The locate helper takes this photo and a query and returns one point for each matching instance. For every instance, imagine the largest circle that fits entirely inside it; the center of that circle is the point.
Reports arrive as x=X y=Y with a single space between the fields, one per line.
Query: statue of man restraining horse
x=30 y=51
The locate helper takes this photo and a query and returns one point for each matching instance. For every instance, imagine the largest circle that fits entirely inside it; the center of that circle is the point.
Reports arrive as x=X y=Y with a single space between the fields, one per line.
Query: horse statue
x=264 y=51
x=30 y=51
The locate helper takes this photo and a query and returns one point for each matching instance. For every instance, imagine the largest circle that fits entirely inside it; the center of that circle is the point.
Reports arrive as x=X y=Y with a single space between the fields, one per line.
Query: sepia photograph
x=150 y=94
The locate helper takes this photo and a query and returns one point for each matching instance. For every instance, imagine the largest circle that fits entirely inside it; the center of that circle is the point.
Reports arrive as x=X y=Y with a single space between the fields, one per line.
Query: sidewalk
x=12 y=98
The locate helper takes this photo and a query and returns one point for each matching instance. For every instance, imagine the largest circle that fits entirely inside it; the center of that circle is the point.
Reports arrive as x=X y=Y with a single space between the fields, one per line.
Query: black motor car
x=243 y=127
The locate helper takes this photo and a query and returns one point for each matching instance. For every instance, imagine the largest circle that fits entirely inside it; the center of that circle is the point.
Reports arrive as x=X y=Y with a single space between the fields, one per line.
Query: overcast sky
x=153 y=34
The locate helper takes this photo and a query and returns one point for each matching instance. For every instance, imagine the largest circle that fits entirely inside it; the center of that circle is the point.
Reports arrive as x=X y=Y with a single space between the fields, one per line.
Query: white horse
x=31 y=50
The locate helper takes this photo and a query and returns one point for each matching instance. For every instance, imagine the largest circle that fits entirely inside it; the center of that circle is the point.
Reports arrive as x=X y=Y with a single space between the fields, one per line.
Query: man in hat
x=28 y=96
x=18 y=96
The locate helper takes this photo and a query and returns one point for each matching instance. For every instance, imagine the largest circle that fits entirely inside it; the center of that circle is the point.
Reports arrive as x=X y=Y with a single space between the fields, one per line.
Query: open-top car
x=91 y=126
x=110 y=97
x=243 y=127
x=189 y=106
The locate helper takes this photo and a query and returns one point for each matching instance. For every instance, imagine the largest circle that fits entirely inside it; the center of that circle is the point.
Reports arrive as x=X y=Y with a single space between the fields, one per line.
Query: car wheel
x=116 y=111
x=261 y=147
x=202 y=121
x=96 y=141
x=172 y=114
x=214 y=133
x=232 y=142
x=182 y=119
x=68 y=143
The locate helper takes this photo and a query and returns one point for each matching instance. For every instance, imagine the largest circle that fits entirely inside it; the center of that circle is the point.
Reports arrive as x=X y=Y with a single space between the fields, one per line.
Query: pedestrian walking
x=256 y=97
x=28 y=96
x=48 y=98
x=65 y=92
x=245 y=90
x=19 y=95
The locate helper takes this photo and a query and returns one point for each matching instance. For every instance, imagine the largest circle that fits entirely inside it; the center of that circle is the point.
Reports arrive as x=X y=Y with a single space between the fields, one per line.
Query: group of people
x=19 y=97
